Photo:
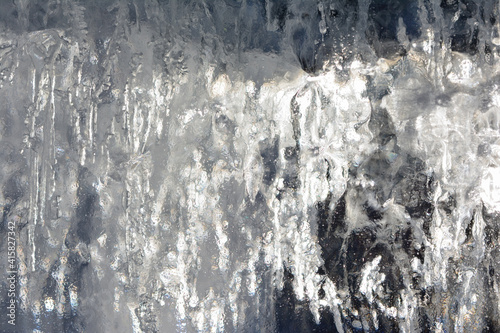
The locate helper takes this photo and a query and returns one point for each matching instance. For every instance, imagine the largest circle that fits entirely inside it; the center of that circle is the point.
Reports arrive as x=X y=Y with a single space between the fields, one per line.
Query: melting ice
x=252 y=166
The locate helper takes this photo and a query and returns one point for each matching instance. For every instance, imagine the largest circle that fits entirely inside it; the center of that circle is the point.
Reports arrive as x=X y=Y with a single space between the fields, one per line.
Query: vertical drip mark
x=53 y=136
x=268 y=15
x=33 y=87
x=135 y=127
x=32 y=215
x=126 y=110
x=94 y=147
x=294 y=106
x=34 y=206
x=92 y=128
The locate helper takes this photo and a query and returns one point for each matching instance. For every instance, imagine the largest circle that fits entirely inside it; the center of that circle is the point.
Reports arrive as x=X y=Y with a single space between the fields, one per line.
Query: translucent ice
x=251 y=166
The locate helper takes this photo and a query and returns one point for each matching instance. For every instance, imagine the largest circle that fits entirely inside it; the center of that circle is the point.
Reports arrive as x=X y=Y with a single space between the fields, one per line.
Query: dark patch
x=50 y=286
x=87 y=205
x=423 y=208
x=13 y=188
x=85 y=223
x=407 y=241
x=5 y=222
x=331 y=228
x=491 y=235
x=393 y=282
x=373 y=213
x=132 y=13
x=41 y=16
x=100 y=47
x=488 y=54
x=385 y=323
x=7 y=123
x=424 y=321
x=270 y=156
x=448 y=205
x=254 y=208
x=490 y=326
x=37 y=17
x=293 y=315
x=358 y=244
x=304 y=50
x=9 y=14
x=224 y=124
x=291 y=153
x=443 y=100
x=484 y=149
x=414 y=191
x=468 y=231
x=73 y=277
x=291 y=181
x=145 y=312
x=449 y=7
x=279 y=12
x=430 y=11
x=464 y=38
x=381 y=124
x=106 y=97
x=383 y=21
x=252 y=26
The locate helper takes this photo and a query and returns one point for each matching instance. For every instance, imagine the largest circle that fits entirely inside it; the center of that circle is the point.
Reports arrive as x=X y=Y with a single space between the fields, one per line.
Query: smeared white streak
x=136 y=325
x=33 y=86
x=49 y=304
x=34 y=215
x=252 y=276
x=253 y=173
x=332 y=301
x=73 y=295
x=490 y=186
x=221 y=243
x=221 y=85
x=216 y=317
x=371 y=279
x=116 y=303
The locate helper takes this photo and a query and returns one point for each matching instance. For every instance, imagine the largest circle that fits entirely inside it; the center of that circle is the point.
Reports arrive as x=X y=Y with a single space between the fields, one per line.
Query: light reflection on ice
x=192 y=168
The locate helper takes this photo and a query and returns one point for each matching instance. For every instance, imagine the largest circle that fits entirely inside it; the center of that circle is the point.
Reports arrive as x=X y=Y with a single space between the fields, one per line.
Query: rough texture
x=251 y=166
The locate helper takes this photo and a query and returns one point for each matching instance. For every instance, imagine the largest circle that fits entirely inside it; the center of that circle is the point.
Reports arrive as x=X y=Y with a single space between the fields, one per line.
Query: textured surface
x=251 y=166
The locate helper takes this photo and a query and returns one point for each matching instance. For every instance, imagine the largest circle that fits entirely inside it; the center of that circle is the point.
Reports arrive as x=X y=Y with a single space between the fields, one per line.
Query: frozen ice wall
x=251 y=166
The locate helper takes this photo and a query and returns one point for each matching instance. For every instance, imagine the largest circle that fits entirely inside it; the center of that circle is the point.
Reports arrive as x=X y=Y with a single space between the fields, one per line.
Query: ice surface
x=251 y=166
